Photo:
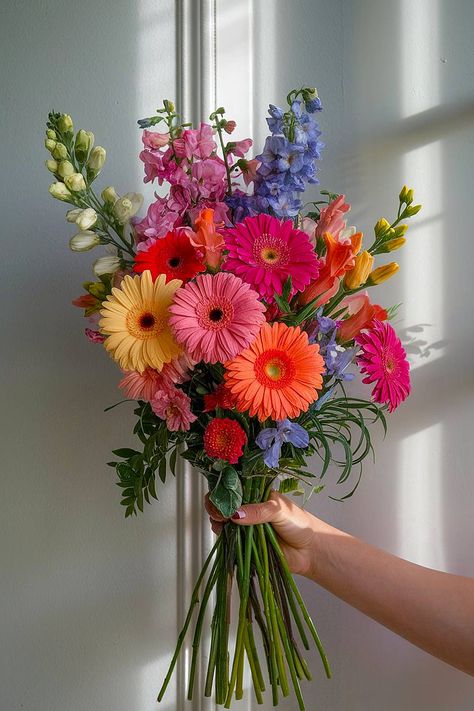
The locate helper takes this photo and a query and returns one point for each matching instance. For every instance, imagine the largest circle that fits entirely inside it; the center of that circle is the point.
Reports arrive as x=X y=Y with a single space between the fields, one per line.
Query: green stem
x=287 y=574
x=194 y=601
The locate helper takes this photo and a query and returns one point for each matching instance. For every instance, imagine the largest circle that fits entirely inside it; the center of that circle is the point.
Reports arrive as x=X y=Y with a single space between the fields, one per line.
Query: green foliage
x=137 y=473
x=226 y=491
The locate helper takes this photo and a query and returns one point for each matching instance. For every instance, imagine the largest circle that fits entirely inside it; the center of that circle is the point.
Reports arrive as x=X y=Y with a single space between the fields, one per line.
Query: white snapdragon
x=75 y=182
x=127 y=206
x=106 y=265
x=83 y=241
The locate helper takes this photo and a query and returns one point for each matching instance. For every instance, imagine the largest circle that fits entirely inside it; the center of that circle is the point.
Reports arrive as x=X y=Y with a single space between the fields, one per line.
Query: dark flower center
x=216 y=314
x=174 y=262
x=147 y=320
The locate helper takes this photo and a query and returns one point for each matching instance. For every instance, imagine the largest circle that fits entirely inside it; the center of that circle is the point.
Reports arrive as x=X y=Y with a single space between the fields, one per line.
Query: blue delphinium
x=336 y=358
x=271 y=440
x=288 y=159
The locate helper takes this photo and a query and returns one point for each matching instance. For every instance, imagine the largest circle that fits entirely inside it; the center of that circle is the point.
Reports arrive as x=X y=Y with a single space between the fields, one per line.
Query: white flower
x=52 y=165
x=127 y=206
x=106 y=265
x=65 y=168
x=96 y=159
x=75 y=182
x=60 y=192
x=86 y=218
x=72 y=215
x=84 y=241
x=109 y=195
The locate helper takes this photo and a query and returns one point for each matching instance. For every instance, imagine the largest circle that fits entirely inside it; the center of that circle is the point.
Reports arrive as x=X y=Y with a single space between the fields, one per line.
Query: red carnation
x=221 y=397
x=224 y=439
x=173 y=256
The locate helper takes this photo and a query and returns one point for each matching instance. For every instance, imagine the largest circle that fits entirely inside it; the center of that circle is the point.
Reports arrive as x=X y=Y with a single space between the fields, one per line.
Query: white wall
x=87 y=599
x=395 y=79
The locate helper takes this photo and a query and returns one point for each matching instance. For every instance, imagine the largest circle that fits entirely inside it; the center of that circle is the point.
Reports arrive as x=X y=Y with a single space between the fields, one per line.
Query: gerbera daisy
x=136 y=320
x=172 y=255
x=220 y=397
x=224 y=439
x=278 y=376
x=142 y=386
x=174 y=406
x=384 y=360
x=264 y=252
x=216 y=316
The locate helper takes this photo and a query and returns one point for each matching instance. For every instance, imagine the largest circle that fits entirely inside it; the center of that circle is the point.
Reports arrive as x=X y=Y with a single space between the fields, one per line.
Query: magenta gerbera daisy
x=384 y=360
x=264 y=252
x=215 y=317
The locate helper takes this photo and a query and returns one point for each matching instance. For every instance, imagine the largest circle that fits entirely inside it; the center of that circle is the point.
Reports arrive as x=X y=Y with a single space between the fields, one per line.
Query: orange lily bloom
x=361 y=313
x=340 y=257
x=207 y=238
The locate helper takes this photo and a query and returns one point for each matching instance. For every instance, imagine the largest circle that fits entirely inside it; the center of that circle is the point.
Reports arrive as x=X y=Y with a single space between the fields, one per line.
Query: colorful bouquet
x=238 y=316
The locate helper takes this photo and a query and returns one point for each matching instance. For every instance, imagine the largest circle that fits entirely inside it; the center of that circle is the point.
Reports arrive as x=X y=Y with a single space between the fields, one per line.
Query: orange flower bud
x=382 y=273
x=396 y=243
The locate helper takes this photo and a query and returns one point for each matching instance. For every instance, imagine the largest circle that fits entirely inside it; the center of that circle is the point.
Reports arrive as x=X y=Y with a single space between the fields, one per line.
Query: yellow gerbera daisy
x=135 y=319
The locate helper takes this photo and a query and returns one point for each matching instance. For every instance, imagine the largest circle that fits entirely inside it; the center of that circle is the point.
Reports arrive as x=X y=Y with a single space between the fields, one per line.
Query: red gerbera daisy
x=173 y=255
x=224 y=439
x=220 y=397
x=384 y=360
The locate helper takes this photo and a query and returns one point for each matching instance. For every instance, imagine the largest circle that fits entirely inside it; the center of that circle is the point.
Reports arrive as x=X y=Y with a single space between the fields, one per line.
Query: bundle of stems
x=269 y=596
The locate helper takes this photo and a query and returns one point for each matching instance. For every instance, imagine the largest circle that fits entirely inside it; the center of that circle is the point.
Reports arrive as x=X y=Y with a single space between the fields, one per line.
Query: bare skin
x=431 y=609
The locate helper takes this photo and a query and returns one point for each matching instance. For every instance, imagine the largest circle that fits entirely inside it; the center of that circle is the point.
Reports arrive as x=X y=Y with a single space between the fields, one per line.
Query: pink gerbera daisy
x=384 y=360
x=264 y=252
x=174 y=406
x=215 y=317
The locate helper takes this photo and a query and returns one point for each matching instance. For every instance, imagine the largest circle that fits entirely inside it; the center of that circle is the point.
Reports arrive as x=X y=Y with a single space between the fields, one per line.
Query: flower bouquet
x=238 y=316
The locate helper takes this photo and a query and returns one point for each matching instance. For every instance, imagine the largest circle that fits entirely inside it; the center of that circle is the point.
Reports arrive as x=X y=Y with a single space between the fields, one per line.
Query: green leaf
x=287 y=486
x=173 y=456
x=282 y=303
x=227 y=493
x=124 y=453
x=162 y=470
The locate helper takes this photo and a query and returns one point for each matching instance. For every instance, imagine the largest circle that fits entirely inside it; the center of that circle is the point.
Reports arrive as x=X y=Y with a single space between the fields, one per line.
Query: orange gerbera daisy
x=278 y=376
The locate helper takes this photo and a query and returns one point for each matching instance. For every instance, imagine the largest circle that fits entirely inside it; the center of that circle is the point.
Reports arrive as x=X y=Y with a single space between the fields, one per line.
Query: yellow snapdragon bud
x=65 y=168
x=96 y=160
x=51 y=165
x=403 y=194
x=410 y=196
x=412 y=210
x=65 y=123
x=382 y=273
x=400 y=230
x=59 y=151
x=60 y=192
x=49 y=144
x=75 y=182
x=109 y=195
x=381 y=226
x=394 y=244
x=82 y=145
x=359 y=274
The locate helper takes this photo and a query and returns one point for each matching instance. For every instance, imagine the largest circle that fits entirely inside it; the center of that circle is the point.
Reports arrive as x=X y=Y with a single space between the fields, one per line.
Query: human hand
x=295 y=528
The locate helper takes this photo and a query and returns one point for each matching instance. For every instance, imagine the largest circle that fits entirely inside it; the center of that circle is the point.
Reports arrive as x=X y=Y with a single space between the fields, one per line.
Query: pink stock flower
x=94 y=336
x=240 y=148
x=384 y=361
x=174 y=406
x=158 y=221
x=331 y=218
x=154 y=140
x=215 y=317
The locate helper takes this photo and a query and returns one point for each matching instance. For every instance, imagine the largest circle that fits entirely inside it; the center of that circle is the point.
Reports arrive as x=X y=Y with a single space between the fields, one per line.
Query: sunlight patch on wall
x=420 y=504
x=419 y=56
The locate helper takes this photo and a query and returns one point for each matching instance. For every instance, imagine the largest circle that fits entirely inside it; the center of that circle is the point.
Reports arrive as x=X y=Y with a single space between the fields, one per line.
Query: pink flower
x=154 y=140
x=331 y=218
x=210 y=176
x=94 y=336
x=240 y=148
x=143 y=386
x=158 y=221
x=264 y=252
x=174 y=406
x=250 y=171
x=199 y=143
x=384 y=360
x=215 y=317
x=154 y=165
x=230 y=127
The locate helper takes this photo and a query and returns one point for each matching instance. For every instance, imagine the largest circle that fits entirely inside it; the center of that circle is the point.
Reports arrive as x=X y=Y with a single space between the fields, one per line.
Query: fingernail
x=239 y=514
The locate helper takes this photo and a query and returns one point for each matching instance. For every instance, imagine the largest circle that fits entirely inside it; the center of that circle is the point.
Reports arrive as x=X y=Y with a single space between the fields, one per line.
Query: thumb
x=265 y=512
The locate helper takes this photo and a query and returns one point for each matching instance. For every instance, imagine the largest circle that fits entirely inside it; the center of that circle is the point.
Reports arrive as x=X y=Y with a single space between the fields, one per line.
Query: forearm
x=431 y=609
